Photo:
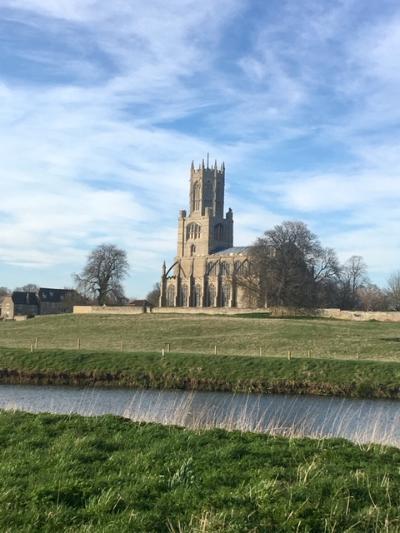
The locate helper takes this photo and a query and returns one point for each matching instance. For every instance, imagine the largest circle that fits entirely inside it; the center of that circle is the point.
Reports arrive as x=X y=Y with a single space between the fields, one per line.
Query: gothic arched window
x=225 y=295
x=197 y=296
x=210 y=296
x=225 y=269
x=171 y=296
x=192 y=250
x=183 y=297
x=218 y=232
x=193 y=231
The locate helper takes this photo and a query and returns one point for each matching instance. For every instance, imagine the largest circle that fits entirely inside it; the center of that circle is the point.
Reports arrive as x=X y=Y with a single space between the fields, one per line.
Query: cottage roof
x=53 y=295
x=25 y=298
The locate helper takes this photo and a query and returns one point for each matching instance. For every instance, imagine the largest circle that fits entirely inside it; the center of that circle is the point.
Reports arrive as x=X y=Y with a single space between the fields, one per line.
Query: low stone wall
x=380 y=316
x=338 y=314
x=205 y=310
x=106 y=310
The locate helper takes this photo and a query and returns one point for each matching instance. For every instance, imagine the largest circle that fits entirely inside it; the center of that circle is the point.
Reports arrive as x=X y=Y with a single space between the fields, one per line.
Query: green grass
x=103 y=474
x=199 y=334
x=202 y=372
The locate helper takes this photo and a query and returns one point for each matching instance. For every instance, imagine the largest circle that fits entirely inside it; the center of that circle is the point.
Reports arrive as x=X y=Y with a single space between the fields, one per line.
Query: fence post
x=31 y=347
x=260 y=351
x=78 y=343
x=309 y=354
x=168 y=347
x=162 y=352
x=36 y=343
x=215 y=350
x=289 y=355
x=122 y=346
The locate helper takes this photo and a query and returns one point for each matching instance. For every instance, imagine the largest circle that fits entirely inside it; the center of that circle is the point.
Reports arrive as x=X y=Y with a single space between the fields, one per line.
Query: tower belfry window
x=196 y=196
x=193 y=231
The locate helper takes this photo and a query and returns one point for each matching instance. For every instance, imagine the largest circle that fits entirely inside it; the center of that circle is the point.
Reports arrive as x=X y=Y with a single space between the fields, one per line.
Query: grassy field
x=72 y=473
x=200 y=334
x=350 y=378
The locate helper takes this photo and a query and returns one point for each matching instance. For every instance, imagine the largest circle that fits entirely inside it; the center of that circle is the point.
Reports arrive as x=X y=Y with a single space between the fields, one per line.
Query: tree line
x=288 y=266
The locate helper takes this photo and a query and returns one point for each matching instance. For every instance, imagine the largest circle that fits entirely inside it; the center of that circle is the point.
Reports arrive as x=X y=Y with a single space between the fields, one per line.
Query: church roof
x=235 y=250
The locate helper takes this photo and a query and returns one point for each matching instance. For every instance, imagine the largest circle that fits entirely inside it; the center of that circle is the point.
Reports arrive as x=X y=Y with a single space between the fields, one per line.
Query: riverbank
x=106 y=473
x=343 y=378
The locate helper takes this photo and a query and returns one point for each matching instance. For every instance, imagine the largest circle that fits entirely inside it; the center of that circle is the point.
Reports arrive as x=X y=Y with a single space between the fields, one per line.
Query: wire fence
x=189 y=346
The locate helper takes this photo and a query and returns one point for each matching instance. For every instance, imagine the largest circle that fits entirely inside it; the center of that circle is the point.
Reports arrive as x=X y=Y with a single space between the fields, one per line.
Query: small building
x=56 y=301
x=44 y=301
x=20 y=303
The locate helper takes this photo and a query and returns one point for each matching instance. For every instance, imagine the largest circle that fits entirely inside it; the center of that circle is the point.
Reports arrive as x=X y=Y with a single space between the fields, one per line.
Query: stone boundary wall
x=380 y=316
x=205 y=310
x=105 y=310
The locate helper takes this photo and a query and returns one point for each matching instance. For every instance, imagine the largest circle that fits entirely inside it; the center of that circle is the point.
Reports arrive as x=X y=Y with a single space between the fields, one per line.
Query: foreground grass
x=199 y=334
x=363 y=379
x=108 y=474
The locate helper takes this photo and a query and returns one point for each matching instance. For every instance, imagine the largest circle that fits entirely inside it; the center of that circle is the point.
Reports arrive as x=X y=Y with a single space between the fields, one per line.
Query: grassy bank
x=363 y=379
x=200 y=334
x=108 y=474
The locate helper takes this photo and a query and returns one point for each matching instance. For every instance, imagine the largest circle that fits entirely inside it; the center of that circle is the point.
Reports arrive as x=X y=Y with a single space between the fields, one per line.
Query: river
x=361 y=421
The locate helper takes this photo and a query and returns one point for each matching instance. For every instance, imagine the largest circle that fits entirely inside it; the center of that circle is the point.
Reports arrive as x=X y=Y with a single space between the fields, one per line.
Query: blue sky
x=103 y=105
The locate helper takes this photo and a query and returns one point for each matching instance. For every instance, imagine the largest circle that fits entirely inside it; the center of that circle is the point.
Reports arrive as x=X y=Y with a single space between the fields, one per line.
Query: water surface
x=361 y=421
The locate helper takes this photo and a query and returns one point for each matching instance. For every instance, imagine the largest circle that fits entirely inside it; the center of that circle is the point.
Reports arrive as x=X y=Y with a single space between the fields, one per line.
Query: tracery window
x=193 y=231
x=183 y=297
x=197 y=296
x=171 y=296
x=225 y=295
x=210 y=296
x=225 y=268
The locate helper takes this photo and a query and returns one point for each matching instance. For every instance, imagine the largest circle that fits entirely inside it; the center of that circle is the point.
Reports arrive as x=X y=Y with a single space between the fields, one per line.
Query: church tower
x=206 y=265
x=205 y=230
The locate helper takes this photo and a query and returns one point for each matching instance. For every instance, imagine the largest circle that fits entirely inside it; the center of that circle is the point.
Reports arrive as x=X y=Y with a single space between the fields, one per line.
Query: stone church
x=207 y=265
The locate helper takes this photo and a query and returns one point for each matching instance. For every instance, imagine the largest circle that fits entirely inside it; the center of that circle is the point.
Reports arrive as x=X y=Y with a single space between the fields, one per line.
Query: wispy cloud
x=103 y=105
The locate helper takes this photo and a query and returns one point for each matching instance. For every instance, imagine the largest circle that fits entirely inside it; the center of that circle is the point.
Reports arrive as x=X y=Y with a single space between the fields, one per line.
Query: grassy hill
x=199 y=334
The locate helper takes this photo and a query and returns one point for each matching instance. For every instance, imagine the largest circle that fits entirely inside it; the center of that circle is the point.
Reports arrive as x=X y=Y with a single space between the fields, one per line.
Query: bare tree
x=354 y=276
x=4 y=291
x=372 y=298
x=289 y=267
x=29 y=287
x=154 y=295
x=101 y=278
x=394 y=290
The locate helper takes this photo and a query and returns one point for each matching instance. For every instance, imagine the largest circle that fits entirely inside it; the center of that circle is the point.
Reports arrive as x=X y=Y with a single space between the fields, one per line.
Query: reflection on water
x=361 y=421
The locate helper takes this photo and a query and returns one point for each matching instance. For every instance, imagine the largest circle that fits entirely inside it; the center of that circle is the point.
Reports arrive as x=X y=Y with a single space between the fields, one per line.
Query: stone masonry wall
x=338 y=314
